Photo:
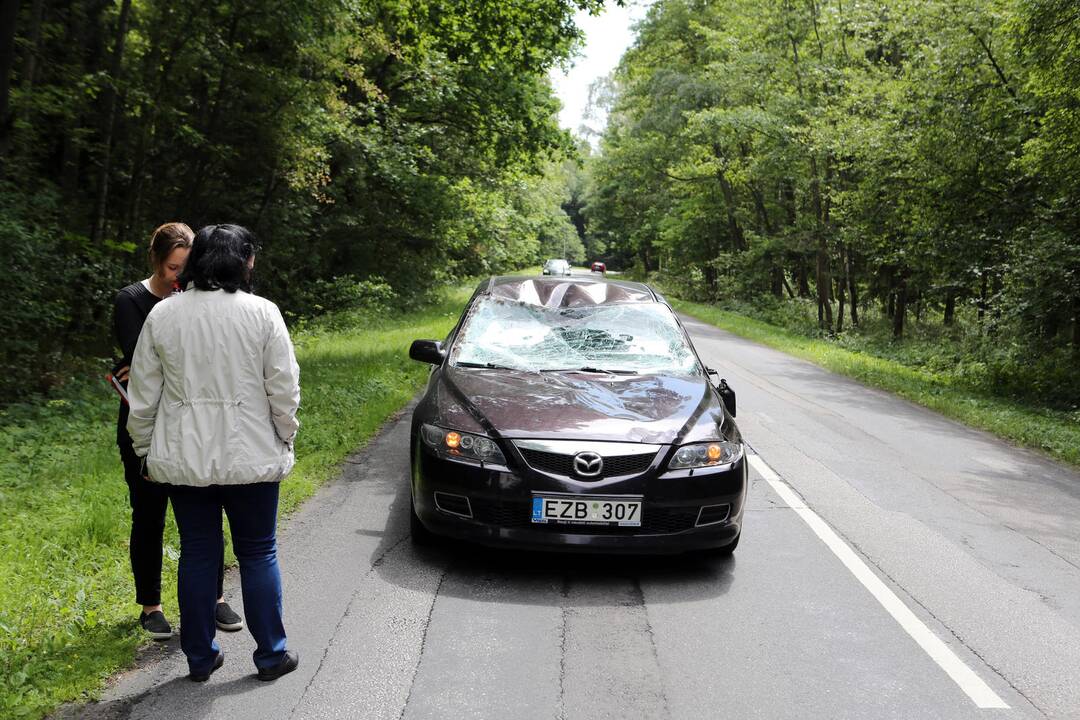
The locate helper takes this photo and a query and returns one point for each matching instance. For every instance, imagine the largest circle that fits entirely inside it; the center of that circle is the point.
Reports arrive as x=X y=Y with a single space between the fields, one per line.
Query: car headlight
x=462 y=445
x=705 y=455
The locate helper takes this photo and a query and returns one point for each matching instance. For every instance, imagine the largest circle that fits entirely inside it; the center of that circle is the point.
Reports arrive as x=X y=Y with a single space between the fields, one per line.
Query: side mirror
x=726 y=393
x=429 y=351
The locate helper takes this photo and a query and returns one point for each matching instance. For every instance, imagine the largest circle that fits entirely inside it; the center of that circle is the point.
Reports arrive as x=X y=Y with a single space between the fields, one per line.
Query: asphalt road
x=893 y=564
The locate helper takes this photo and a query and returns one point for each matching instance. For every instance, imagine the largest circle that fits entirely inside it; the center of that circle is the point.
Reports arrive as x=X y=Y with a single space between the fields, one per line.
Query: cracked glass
x=641 y=338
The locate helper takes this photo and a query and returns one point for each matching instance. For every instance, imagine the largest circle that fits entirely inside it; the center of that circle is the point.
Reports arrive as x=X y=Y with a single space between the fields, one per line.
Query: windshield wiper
x=590 y=369
x=486 y=365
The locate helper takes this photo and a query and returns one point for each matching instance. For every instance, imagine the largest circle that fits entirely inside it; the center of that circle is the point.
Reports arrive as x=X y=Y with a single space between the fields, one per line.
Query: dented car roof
x=569 y=292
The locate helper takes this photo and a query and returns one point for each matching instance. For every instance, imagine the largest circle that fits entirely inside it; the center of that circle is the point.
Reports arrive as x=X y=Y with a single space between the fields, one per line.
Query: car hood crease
x=642 y=408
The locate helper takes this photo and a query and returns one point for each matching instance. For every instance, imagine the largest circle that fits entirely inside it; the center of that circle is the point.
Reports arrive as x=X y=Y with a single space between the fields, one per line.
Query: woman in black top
x=169 y=247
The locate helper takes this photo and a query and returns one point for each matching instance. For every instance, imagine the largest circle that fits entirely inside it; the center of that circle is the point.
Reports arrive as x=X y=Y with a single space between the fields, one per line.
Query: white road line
x=979 y=692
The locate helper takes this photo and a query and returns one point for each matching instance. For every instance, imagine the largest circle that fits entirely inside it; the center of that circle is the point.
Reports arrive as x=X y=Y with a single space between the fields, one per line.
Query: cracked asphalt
x=980 y=540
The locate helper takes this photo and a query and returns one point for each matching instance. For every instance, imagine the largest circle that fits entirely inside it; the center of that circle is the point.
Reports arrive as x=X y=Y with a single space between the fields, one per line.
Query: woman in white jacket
x=214 y=393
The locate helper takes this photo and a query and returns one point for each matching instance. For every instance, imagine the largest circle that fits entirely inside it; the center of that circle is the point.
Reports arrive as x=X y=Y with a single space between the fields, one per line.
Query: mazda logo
x=588 y=464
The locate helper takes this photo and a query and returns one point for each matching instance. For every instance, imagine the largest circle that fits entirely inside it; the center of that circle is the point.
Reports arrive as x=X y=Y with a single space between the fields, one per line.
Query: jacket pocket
x=211 y=431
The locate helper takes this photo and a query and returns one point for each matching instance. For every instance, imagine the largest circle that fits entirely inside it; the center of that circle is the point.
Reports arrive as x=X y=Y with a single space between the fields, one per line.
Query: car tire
x=420 y=535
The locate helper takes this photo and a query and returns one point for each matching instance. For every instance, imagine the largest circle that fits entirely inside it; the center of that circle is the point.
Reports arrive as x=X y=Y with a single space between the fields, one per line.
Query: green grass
x=67 y=614
x=1052 y=431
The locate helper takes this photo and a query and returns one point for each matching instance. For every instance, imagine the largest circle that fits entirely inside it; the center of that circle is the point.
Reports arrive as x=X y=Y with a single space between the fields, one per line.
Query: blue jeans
x=252 y=513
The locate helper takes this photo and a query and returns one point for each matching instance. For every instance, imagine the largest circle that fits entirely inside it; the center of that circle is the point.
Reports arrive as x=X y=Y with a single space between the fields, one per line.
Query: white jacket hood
x=214 y=390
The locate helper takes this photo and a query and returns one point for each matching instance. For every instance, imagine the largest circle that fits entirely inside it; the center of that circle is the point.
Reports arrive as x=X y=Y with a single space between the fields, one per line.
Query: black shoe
x=226 y=618
x=203 y=677
x=286 y=666
x=156 y=625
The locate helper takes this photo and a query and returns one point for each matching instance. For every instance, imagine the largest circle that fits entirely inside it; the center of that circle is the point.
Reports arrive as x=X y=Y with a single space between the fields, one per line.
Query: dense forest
x=902 y=163
x=376 y=148
x=879 y=166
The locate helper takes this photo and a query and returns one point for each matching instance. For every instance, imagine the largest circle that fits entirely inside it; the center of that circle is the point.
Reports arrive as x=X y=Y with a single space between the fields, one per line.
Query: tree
x=917 y=154
x=401 y=141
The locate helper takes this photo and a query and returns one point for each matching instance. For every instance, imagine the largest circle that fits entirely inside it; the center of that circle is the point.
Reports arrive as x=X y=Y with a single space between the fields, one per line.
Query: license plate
x=587 y=511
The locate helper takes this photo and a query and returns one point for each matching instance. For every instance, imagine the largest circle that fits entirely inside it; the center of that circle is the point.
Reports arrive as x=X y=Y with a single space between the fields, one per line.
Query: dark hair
x=219 y=259
x=167 y=238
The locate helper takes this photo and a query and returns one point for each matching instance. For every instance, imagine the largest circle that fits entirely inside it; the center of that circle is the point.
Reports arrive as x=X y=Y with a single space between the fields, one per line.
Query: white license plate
x=587 y=511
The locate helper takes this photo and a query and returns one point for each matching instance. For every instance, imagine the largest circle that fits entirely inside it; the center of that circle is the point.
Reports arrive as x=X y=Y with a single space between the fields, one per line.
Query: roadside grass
x=1055 y=432
x=67 y=613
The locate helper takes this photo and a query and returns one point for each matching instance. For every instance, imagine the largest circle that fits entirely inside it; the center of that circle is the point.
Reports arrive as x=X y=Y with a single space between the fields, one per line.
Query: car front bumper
x=492 y=506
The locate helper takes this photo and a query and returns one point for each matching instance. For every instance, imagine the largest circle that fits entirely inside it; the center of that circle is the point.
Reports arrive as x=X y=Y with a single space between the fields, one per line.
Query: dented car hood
x=567 y=405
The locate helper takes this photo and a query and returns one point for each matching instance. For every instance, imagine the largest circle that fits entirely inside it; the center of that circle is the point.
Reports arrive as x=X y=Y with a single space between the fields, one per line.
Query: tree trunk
x=900 y=309
x=76 y=32
x=787 y=192
x=824 y=285
x=9 y=14
x=801 y=278
x=783 y=276
x=822 y=278
x=111 y=94
x=33 y=37
x=983 y=289
x=840 y=305
x=710 y=280
x=1076 y=327
x=148 y=128
x=29 y=61
x=268 y=194
x=198 y=174
x=70 y=165
x=765 y=227
x=995 y=304
x=764 y=224
x=852 y=287
x=1050 y=326
x=950 y=306
x=735 y=232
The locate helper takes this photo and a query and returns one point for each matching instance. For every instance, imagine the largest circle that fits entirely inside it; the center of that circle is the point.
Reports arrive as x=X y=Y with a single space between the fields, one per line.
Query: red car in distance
x=599 y=267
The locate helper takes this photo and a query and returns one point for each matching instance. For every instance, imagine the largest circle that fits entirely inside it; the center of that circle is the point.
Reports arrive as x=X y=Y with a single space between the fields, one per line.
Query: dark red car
x=599 y=267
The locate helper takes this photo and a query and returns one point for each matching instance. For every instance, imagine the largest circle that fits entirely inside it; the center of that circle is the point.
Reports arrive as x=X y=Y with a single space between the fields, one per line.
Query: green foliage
x=63 y=553
x=373 y=296
x=67 y=615
x=32 y=312
x=935 y=385
x=921 y=154
x=404 y=142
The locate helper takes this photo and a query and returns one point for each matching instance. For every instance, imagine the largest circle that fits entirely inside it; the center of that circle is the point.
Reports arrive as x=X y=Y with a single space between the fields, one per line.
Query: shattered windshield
x=624 y=338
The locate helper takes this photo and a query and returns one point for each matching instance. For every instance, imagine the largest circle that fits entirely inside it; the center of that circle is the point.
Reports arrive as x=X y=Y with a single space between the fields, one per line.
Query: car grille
x=656 y=519
x=559 y=464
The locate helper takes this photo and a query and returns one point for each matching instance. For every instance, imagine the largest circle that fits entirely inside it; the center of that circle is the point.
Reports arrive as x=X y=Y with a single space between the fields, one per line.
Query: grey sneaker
x=156 y=625
x=226 y=618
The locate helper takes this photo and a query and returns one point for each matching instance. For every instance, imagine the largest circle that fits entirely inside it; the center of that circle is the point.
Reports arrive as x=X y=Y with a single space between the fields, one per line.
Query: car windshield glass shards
x=622 y=338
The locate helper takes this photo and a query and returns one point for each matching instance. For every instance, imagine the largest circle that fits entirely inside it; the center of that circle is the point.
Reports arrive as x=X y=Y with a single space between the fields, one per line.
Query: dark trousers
x=252 y=513
x=148 y=504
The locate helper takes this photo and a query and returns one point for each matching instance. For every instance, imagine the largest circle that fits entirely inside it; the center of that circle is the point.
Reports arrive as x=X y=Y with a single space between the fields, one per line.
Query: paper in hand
x=118 y=387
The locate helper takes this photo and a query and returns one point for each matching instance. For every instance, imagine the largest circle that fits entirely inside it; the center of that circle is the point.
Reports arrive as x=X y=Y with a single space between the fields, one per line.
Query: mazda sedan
x=574 y=414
